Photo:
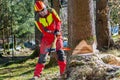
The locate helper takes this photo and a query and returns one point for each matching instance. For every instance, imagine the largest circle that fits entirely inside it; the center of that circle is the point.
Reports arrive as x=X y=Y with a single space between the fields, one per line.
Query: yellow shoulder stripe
x=54 y=12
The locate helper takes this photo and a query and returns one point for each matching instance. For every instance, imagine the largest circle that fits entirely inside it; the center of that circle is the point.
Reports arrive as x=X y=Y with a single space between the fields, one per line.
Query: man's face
x=43 y=12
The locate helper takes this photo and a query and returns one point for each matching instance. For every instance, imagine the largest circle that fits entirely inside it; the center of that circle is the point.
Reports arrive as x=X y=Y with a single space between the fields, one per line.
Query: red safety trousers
x=45 y=45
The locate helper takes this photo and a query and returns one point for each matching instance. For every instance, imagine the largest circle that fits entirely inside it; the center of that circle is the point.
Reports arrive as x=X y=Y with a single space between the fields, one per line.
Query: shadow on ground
x=9 y=60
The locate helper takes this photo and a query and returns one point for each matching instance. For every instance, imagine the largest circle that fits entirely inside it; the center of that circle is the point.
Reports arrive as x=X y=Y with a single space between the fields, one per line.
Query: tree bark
x=80 y=24
x=56 y=5
x=38 y=36
x=80 y=21
x=53 y=56
x=103 y=34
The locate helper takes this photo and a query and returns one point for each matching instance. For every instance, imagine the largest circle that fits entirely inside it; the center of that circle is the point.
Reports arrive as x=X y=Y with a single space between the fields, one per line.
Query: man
x=49 y=23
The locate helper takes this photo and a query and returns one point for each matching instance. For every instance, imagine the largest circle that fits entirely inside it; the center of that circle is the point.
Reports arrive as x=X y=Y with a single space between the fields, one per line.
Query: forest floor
x=25 y=70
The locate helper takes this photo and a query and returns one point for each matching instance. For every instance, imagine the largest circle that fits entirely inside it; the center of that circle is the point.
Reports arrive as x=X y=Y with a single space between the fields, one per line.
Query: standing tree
x=80 y=24
x=5 y=24
x=56 y=5
x=80 y=21
x=38 y=34
x=102 y=27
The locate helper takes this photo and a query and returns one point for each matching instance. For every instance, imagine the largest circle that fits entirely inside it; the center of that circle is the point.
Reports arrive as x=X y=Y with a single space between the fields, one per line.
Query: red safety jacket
x=47 y=25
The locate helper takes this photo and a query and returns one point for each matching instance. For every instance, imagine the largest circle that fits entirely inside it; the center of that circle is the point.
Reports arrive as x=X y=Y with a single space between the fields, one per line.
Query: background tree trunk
x=3 y=39
x=53 y=56
x=56 y=5
x=102 y=27
x=38 y=36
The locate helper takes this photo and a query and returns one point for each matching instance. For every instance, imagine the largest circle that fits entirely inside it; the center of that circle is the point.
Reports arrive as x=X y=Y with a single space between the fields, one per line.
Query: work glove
x=57 y=33
x=51 y=50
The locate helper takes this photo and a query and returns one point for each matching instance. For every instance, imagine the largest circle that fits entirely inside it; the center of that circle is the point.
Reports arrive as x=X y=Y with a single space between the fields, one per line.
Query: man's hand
x=57 y=33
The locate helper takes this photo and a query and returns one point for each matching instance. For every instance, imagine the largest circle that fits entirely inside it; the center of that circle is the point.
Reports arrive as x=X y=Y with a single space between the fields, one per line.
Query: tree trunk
x=80 y=21
x=102 y=27
x=80 y=24
x=8 y=43
x=56 y=5
x=53 y=56
x=38 y=36
x=3 y=38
